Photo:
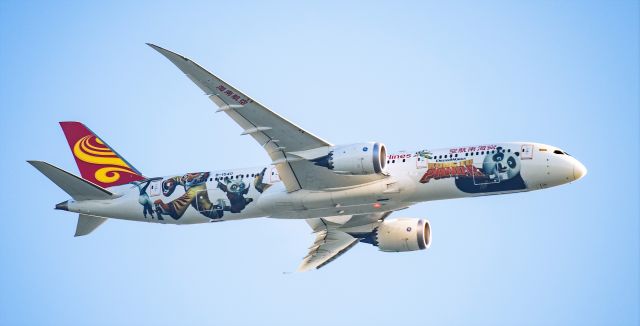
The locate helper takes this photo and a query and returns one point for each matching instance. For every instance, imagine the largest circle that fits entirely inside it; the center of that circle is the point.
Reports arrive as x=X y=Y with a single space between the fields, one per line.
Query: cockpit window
x=557 y=151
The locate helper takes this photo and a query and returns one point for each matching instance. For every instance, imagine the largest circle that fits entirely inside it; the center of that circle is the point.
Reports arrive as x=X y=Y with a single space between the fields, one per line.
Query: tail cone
x=63 y=206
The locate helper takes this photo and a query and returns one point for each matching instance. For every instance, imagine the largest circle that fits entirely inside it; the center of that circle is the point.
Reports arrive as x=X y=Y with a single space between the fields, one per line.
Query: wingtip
x=172 y=56
x=158 y=48
x=304 y=268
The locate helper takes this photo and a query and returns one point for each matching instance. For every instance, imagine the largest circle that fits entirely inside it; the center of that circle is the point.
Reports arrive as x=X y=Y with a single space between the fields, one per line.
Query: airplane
x=345 y=193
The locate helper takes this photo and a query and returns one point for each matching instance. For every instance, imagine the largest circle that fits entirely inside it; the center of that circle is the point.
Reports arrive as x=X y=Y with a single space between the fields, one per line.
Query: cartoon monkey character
x=258 y=184
x=195 y=194
x=143 y=198
x=236 y=190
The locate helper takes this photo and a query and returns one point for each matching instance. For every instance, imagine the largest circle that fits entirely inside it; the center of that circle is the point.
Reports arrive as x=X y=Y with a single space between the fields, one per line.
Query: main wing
x=277 y=135
x=337 y=234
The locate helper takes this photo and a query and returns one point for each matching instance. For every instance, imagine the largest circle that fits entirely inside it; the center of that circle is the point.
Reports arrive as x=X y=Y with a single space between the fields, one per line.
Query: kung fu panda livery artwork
x=345 y=192
x=500 y=172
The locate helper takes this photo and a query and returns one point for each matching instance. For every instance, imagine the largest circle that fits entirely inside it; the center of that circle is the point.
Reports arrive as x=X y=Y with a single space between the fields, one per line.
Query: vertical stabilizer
x=96 y=160
x=88 y=223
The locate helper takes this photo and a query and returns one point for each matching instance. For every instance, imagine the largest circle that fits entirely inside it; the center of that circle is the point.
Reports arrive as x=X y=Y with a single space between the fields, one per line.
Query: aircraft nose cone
x=579 y=170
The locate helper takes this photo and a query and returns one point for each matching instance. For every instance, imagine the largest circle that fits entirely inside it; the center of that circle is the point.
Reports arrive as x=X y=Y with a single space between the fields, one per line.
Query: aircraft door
x=526 y=152
x=421 y=162
x=273 y=175
x=154 y=188
x=422 y=158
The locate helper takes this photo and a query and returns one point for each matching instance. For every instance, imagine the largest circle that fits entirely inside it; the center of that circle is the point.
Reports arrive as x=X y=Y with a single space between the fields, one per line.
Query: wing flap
x=335 y=235
x=328 y=245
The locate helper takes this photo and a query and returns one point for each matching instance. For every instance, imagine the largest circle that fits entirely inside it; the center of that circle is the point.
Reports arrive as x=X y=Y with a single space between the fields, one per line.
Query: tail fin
x=96 y=160
x=77 y=188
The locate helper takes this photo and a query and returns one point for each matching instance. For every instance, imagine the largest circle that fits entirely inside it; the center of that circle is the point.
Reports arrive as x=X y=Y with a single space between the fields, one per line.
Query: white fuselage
x=412 y=177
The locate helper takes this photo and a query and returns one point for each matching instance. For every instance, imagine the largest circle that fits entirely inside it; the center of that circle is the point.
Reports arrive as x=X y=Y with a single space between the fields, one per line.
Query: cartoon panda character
x=236 y=190
x=501 y=165
x=501 y=171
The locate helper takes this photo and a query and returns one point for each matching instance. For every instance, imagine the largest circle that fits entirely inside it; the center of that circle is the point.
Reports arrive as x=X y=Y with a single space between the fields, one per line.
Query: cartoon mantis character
x=143 y=198
x=425 y=154
x=195 y=194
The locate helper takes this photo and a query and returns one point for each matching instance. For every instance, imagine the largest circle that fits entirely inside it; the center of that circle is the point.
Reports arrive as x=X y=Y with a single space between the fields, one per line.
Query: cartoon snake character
x=195 y=194
x=143 y=198
x=236 y=190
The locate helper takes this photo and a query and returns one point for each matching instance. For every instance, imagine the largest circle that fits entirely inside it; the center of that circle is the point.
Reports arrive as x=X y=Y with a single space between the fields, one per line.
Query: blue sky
x=410 y=74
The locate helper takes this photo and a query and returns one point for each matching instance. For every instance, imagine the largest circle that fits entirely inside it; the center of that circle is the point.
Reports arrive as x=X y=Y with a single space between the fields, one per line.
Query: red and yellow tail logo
x=96 y=161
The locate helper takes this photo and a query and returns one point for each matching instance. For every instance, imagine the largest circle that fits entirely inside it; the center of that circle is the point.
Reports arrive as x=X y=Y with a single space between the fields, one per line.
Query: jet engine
x=355 y=159
x=403 y=234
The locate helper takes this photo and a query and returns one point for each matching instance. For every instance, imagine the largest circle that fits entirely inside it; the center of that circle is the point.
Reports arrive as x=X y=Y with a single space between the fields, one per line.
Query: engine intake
x=403 y=234
x=355 y=159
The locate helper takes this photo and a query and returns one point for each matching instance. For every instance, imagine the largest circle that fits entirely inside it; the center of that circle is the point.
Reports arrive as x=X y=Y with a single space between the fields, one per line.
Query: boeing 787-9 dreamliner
x=345 y=193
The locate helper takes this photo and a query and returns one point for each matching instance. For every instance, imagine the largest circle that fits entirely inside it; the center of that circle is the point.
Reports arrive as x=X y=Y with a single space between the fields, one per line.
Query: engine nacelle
x=404 y=234
x=355 y=159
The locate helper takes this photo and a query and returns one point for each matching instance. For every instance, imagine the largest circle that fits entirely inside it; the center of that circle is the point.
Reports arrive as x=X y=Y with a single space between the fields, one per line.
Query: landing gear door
x=526 y=152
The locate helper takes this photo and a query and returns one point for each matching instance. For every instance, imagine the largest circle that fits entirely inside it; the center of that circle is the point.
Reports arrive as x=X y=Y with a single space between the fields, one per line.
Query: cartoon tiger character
x=195 y=194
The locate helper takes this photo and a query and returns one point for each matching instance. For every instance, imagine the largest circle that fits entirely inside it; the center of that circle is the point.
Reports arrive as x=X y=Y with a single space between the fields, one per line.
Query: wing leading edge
x=281 y=138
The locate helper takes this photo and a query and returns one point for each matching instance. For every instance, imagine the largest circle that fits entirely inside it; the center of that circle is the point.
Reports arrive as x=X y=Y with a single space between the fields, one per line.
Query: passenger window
x=393 y=161
x=403 y=160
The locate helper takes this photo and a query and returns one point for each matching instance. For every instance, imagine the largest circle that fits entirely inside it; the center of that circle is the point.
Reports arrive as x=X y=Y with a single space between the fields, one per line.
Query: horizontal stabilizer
x=88 y=223
x=76 y=187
